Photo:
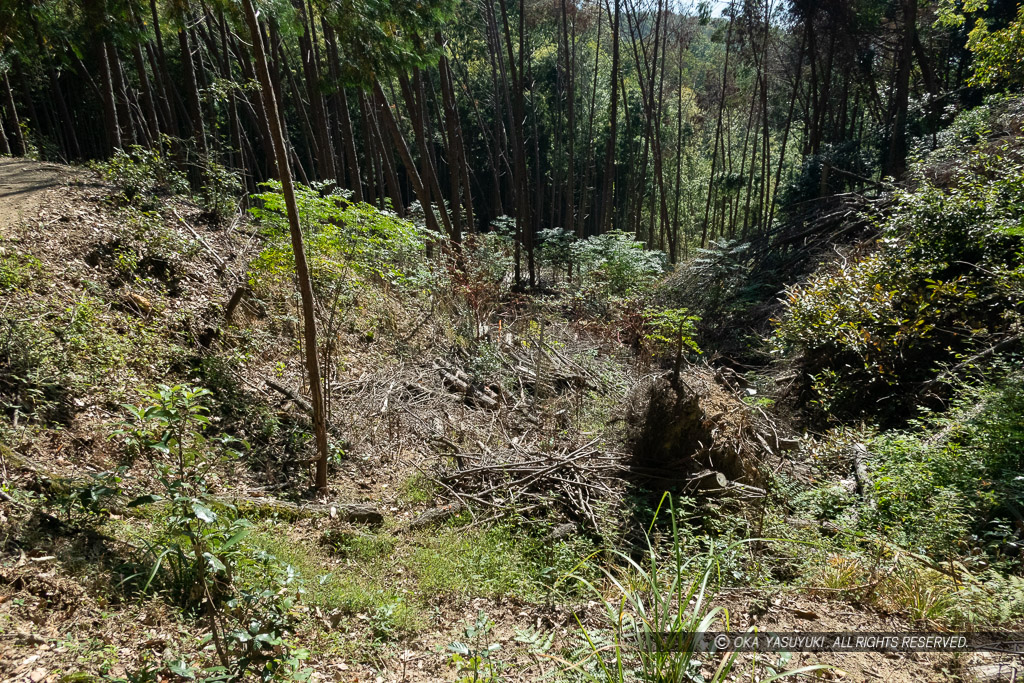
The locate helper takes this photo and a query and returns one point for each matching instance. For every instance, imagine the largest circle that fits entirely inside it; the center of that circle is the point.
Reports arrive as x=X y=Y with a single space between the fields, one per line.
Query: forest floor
x=383 y=601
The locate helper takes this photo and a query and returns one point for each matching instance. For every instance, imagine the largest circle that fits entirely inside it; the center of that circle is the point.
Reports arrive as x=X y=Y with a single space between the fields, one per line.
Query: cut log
x=360 y=513
x=436 y=515
x=458 y=382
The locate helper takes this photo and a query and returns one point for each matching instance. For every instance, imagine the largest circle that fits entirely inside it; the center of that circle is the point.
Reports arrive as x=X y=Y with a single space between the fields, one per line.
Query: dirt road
x=23 y=184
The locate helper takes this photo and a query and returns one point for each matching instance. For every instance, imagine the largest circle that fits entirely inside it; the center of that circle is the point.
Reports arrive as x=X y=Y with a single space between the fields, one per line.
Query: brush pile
x=568 y=483
x=695 y=431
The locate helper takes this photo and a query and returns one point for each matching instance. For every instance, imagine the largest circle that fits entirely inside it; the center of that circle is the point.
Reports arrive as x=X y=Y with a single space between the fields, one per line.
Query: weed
x=142 y=175
x=34 y=372
x=18 y=271
x=418 y=488
x=841 y=573
x=656 y=606
x=924 y=595
x=493 y=562
x=475 y=657
x=353 y=589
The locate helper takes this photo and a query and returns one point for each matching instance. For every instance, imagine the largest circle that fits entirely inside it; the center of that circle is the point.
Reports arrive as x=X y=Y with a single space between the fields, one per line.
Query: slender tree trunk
x=149 y=103
x=417 y=109
x=5 y=147
x=301 y=268
x=195 y=107
x=355 y=182
x=12 y=113
x=324 y=153
x=789 y=122
x=388 y=118
x=718 y=135
x=67 y=123
x=110 y=121
x=607 y=198
x=570 y=116
x=896 y=156
x=121 y=101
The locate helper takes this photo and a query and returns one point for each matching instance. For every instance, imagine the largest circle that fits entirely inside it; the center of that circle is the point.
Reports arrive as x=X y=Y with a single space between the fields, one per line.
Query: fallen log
x=458 y=382
x=435 y=515
x=360 y=513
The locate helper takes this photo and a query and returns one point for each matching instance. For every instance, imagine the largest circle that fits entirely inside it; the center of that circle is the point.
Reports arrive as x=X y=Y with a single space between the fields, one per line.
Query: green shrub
x=947 y=273
x=221 y=189
x=554 y=248
x=142 y=175
x=200 y=558
x=669 y=334
x=344 y=240
x=954 y=486
x=615 y=264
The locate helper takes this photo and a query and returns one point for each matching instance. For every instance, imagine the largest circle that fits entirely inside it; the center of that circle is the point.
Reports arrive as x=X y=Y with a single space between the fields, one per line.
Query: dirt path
x=23 y=185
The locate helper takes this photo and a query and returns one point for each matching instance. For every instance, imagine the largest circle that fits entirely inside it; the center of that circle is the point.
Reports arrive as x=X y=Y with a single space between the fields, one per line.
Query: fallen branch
x=214 y=254
x=267 y=507
x=292 y=394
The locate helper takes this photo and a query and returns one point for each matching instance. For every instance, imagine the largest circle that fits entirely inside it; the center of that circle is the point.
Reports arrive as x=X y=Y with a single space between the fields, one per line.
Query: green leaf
x=236 y=538
x=214 y=563
x=180 y=668
x=204 y=513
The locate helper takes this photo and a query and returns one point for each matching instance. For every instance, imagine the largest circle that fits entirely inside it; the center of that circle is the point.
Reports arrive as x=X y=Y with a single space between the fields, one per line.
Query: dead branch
x=291 y=394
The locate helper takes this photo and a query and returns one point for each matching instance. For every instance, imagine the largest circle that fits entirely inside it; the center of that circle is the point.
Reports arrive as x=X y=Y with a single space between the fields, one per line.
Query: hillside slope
x=474 y=470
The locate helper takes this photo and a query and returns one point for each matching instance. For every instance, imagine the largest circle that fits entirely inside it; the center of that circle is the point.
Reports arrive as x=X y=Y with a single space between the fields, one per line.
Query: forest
x=509 y=340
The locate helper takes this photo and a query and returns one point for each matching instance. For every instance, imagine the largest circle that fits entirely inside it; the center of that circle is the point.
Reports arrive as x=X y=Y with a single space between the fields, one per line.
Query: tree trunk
x=607 y=198
x=12 y=112
x=301 y=268
x=195 y=107
x=388 y=117
x=109 y=107
x=325 y=147
x=896 y=156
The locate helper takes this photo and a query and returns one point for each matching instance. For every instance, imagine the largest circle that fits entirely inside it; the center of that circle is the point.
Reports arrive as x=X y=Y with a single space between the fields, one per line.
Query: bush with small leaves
x=614 y=265
x=200 y=559
x=946 y=276
x=142 y=174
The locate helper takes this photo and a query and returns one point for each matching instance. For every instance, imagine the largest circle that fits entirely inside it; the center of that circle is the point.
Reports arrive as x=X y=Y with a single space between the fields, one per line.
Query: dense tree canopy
x=639 y=115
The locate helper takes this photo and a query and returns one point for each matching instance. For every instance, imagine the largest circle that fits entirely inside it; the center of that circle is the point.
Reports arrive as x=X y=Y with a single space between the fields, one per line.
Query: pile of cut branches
x=565 y=484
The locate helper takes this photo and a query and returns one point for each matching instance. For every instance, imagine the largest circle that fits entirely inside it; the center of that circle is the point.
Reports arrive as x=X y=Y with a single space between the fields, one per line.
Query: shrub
x=954 y=485
x=554 y=248
x=345 y=241
x=670 y=333
x=221 y=189
x=479 y=277
x=142 y=175
x=615 y=264
x=200 y=558
x=947 y=271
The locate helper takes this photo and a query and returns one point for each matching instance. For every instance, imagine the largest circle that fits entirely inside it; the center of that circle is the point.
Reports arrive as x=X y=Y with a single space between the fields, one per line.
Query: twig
x=214 y=254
